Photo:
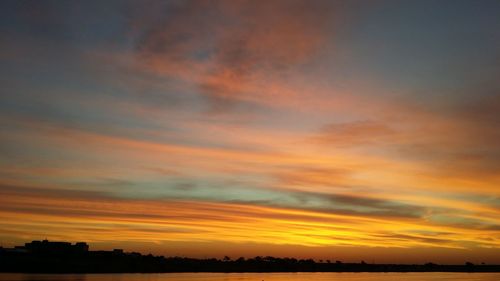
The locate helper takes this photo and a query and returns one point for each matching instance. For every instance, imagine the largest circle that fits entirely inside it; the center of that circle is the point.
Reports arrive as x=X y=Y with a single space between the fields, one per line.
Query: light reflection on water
x=256 y=277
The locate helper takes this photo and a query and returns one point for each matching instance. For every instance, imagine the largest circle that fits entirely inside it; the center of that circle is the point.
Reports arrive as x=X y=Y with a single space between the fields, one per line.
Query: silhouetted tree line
x=64 y=260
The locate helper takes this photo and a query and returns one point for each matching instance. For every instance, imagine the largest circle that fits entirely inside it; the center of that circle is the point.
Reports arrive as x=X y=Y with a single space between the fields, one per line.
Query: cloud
x=234 y=50
x=356 y=133
x=457 y=140
x=96 y=217
x=314 y=177
x=424 y=239
x=360 y=206
x=379 y=207
x=460 y=139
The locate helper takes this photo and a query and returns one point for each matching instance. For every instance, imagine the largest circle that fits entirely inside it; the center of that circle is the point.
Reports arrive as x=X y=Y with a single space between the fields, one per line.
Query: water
x=431 y=276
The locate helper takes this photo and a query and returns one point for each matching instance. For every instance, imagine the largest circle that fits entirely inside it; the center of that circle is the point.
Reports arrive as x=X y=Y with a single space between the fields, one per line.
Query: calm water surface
x=256 y=277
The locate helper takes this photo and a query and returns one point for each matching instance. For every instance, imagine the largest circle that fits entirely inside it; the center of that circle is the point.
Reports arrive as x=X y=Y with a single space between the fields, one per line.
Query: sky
x=343 y=130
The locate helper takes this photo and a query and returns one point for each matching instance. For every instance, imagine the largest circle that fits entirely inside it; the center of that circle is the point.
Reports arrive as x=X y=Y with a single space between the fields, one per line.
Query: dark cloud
x=53 y=192
x=368 y=206
x=354 y=205
x=414 y=238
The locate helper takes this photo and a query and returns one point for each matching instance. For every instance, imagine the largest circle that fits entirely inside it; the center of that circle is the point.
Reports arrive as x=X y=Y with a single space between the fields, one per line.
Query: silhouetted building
x=82 y=247
x=46 y=247
x=118 y=251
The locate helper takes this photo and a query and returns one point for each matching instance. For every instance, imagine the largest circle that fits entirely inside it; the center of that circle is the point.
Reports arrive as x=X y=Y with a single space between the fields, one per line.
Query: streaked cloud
x=173 y=220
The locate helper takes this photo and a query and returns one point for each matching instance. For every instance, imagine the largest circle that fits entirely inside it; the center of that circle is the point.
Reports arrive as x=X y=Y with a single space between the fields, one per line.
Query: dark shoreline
x=63 y=257
x=150 y=264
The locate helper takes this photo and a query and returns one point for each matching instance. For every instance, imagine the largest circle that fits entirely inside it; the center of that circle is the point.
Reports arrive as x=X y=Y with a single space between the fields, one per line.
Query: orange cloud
x=236 y=50
x=75 y=217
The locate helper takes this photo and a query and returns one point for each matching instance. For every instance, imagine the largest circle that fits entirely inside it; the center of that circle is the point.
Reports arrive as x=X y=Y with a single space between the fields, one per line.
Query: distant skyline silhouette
x=63 y=257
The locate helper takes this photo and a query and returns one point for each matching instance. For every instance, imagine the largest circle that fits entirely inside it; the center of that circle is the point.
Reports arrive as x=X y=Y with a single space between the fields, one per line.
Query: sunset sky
x=342 y=130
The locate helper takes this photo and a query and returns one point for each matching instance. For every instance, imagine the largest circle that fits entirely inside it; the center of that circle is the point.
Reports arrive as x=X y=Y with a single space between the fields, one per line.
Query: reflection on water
x=256 y=277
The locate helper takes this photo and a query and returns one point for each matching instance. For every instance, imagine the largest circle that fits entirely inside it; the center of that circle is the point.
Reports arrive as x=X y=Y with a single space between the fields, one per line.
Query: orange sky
x=331 y=130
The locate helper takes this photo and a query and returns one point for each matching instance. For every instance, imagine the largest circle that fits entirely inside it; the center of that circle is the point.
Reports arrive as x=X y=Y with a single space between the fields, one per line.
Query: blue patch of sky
x=428 y=48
